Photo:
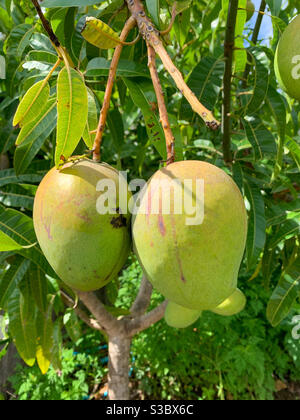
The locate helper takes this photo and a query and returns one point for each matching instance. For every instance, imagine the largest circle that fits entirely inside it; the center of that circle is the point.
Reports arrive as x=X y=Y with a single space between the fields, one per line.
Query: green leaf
x=19 y=227
x=100 y=34
x=72 y=110
x=32 y=104
x=285 y=294
x=294 y=148
x=257 y=223
x=69 y=3
x=56 y=352
x=39 y=287
x=11 y=279
x=34 y=136
x=72 y=325
x=92 y=121
x=7 y=244
x=45 y=340
x=17 y=196
x=277 y=107
x=261 y=139
x=153 y=7
x=261 y=82
x=18 y=40
x=287 y=229
x=140 y=92
x=116 y=127
x=22 y=325
x=240 y=53
x=206 y=82
x=100 y=67
x=8 y=176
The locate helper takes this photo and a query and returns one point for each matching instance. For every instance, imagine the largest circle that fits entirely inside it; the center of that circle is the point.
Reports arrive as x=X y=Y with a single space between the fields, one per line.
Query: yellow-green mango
x=233 y=305
x=287 y=59
x=177 y=316
x=85 y=248
x=193 y=265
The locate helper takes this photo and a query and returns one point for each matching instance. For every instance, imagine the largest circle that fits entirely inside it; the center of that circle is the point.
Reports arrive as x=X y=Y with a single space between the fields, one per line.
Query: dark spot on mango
x=119 y=221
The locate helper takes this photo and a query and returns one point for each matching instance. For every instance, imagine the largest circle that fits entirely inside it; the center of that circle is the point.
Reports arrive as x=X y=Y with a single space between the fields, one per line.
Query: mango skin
x=194 y=266
x=233 y=305
x=250 y=10
x=288 y=49
x=177 y=316
x=85 y=249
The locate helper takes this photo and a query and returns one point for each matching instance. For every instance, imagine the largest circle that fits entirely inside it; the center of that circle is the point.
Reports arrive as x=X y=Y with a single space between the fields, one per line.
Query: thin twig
x=129 y=25
x=46 y=24
x=151 y=35
x=164 y=118
x=228 y=55
x=90 y=322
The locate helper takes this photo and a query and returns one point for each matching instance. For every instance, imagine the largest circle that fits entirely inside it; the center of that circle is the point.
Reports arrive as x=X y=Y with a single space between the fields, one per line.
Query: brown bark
x=118 y=367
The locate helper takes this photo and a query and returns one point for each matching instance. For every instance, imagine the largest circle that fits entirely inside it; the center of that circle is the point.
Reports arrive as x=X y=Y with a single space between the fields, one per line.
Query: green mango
x=193 y=259
x=233 y=305
x=250 y=10
x=177 y=316
x=85 y=248
x=287 y=59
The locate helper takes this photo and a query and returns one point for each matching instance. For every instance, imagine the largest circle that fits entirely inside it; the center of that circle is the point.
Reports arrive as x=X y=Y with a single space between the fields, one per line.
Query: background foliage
x=265 y=141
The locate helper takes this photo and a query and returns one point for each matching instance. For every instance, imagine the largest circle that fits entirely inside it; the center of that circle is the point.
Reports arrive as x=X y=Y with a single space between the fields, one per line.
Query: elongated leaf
x=257 y=223
x=252 y=103
x=44 y=339
x=22 y=325
x=100 y=34
x=206 y=82
x=153 y=8
x=72 y=110
x=294 y=148
x=240 y=54
x=92 y=121
x=11 y=279
x=72 y=325
x=19 y=227
x=277 y=106
x=18 y=40
x=37 y=127
x=261 y=139
x=139 y=91
x=69 y=3
x=32 y=104
x=116 y=128
x=56 y=352
x=39 y=287
x=7 y=244
x=100 y=67
x=8 y=176
x=285 y=294
x=17 y=196
x=287 y=229
x=42 y=128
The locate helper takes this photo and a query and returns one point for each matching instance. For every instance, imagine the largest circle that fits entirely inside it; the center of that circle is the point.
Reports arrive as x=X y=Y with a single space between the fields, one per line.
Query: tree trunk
x=118 y=367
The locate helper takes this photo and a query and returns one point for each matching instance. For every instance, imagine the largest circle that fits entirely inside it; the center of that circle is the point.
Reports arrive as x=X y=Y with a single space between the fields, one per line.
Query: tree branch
x=142 y=300
x=106 y=321
x=46 y=24
x=145 y=321
x=254 y=38
x=163 y=112
x=151 y=35
x=92 y=323
x=228 y=55
x=129 y=25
